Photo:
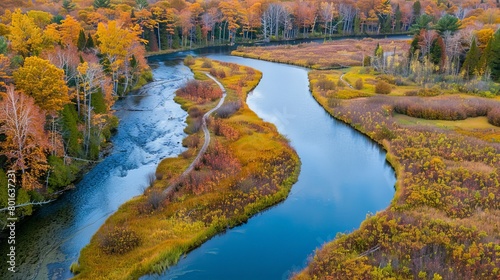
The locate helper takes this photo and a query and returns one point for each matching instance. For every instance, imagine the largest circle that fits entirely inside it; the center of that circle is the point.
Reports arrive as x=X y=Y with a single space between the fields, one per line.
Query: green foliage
x=471 y=63
x=61 y=175
x=357 y=25
x=494 y=56
x=422 y=22
x=71 y=135
x=90 y=42
x=118 y=240
x=447 y=23
x=22 y=196
x=398 y=16
x=3 y=189
x=82 y=40
x=141 y=4
x=417 y=8
x=3 y=45
x=98 y=103
x=57 y=19
x=101 y=4
x=68 y=5
x=437 y=51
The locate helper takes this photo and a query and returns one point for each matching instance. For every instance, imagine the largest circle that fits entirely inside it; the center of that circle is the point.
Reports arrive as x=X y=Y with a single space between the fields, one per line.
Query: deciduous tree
x=26 y=143
x=44 y=82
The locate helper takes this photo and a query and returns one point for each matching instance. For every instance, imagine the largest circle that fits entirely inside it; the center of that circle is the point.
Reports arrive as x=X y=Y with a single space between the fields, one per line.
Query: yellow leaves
x=25 y=36
x=44 y=82
x=82 y=68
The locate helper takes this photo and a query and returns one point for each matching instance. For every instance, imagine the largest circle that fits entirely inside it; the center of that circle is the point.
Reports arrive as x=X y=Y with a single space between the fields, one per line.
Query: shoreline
x=158 y=260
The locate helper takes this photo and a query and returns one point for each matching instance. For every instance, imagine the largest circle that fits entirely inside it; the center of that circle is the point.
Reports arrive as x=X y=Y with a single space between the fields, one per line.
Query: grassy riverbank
x=247 y=168
x=443 y=221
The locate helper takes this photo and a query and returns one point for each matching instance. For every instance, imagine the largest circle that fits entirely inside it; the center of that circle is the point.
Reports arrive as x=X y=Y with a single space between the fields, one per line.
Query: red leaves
x=200 y=91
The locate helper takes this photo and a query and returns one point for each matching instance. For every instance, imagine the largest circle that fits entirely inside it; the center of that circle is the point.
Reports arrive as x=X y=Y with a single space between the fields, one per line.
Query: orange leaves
x=200 y=91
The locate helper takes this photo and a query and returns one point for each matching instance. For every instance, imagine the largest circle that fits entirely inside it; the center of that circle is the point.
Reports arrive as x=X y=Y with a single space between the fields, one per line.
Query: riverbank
x=235 y=179
x=440 y=222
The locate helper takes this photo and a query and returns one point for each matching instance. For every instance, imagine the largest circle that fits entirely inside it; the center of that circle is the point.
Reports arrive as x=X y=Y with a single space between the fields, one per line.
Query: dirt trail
x=205 y=132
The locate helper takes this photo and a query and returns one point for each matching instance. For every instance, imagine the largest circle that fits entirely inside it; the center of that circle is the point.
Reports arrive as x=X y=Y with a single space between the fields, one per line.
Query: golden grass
x=328 y=55
x=190 y=219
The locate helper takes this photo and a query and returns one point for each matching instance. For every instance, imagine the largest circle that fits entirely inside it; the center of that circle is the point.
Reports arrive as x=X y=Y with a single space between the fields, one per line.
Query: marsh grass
x=215 y=196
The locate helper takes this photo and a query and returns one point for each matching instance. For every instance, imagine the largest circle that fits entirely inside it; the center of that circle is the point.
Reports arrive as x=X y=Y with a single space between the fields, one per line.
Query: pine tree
x=90 y=42
x=82 y=41
x=494 y=56
x=485 y=58
x=436 y=52
x=471 y=63
x=101 y=4
x=398 y=18
x=68 y=5
x=357 y=25
x=417 y=9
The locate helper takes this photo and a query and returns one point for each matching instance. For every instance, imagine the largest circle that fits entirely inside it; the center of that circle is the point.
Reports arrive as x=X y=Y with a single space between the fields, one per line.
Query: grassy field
x=443 y=222
x=248 y=167
x=328 y=55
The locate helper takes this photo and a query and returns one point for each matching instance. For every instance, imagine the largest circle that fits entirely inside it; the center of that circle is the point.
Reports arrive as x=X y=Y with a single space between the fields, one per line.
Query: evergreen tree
x=422 y=22
x=82 y=41
x=90 y=42
x=71 y=135
x=101 y=4
x=485 y=58
x=68 y=5
x=141 y=4
x=435 y=52
x=471 y=63
x=3 y=45
x=398 y=18
x=447 y=23
x=494 y=56
x=357 y=25
x=417 y=9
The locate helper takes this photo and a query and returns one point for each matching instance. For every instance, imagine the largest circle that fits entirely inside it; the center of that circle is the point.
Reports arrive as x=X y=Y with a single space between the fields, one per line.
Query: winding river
x=344 y=176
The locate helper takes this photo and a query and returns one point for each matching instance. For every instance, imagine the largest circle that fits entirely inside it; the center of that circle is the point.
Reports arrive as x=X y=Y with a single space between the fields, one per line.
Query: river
x=344 y=176
x=151 y=128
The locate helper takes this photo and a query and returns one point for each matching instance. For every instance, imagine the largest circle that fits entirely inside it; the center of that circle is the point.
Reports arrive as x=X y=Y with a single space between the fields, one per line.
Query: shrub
x=359 y=84
x=192 y=141
x=494 y=116
x=221 y=74
x=195 y=112
x=228 y=109
x=325 y=84
x=189 y=60
x=118 y=240
x=155 y=199
x=207 y=63
x=199 y=91
x=194 y=126
x=383 y=87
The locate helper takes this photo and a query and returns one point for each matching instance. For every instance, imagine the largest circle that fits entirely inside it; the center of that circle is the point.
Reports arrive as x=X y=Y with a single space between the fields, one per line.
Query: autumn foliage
x=200 y=91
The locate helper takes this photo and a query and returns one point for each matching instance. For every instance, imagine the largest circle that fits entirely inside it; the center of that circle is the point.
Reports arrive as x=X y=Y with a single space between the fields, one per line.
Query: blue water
x=344 y=177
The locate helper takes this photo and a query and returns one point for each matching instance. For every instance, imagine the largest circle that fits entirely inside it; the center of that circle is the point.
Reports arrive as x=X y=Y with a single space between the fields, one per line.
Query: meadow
x=247 y=167
x=443 y=222
x=327 y=55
